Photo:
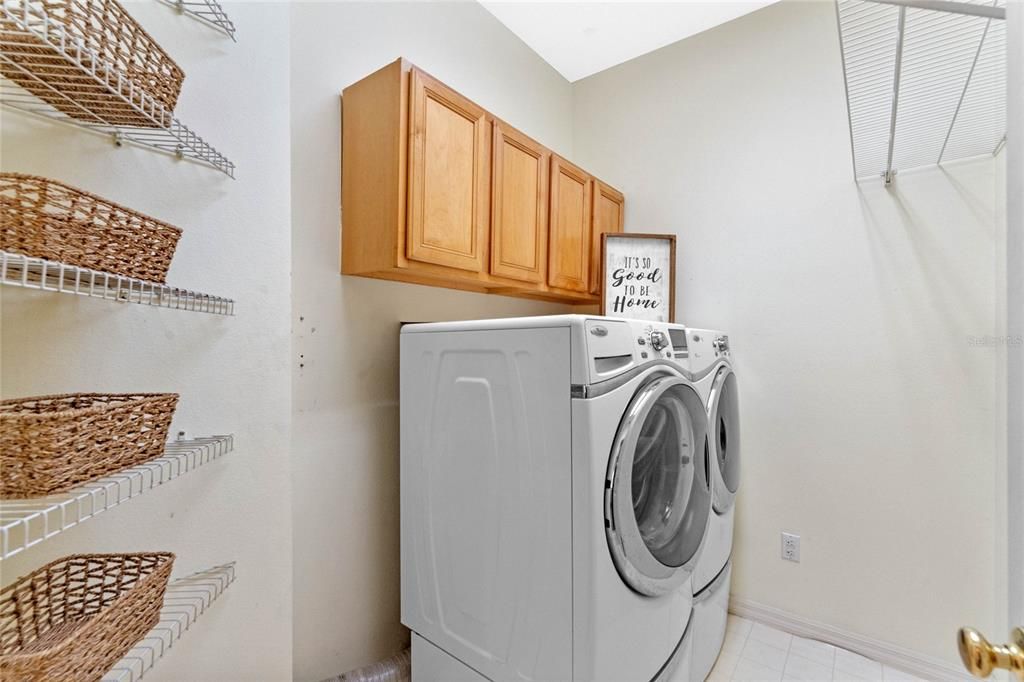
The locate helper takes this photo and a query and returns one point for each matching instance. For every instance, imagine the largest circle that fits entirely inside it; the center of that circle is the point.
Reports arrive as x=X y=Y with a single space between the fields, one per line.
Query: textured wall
x=868 y=415
x=232 y=373
x=345 y=356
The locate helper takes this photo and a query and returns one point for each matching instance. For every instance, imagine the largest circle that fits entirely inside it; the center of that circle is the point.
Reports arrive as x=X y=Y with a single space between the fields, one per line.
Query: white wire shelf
x=45 y=275
x=185 y=600
x=26 y=523
x=208 y=12
x=923 y=86
x=94 y=79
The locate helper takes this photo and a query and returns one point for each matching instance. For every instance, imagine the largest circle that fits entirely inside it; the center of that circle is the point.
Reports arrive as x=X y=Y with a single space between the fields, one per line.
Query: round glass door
x=724 y=419
x=658 y=490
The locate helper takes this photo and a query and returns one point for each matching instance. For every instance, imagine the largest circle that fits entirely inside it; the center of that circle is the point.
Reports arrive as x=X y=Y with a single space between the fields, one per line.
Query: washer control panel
x=707 y=347
x=615 y=346
x=657 y=340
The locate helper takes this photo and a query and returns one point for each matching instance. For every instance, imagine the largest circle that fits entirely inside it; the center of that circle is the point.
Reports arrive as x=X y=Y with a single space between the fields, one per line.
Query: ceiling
x=580 y=38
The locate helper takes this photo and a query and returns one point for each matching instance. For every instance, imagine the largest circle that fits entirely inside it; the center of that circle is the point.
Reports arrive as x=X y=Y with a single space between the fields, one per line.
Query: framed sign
x=638 y=276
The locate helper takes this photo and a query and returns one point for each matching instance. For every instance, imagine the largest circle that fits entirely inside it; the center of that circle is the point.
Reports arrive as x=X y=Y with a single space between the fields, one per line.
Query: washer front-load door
x=658 y=489
x=724 y=422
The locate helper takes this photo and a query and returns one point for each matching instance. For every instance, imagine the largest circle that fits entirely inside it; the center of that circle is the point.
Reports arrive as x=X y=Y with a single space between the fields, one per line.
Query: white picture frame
x=638 y=276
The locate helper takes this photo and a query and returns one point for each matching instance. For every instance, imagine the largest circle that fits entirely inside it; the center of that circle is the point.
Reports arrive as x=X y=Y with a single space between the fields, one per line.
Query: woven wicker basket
x=48 y=219
x=49 y=444
x=73 y=619
x=123 y=51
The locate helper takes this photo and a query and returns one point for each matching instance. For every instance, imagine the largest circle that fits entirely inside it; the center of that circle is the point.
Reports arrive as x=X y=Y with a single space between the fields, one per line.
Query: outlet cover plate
x=791 y=547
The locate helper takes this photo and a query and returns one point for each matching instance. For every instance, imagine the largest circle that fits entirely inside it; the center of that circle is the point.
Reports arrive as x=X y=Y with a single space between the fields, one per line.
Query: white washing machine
x=711 y=369
x=555 y=496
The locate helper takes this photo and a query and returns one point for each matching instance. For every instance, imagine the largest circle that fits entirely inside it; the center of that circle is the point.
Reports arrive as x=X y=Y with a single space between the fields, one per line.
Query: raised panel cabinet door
x=519 y=206
x=448 y=182
x=569 y=226
x=609 y=216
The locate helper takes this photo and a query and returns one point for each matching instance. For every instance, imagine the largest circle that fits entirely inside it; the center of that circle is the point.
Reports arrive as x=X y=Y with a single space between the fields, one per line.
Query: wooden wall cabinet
x=609 y=216
x=449 y=185
x=435 y=190
x=519 y=206
x=569 y=248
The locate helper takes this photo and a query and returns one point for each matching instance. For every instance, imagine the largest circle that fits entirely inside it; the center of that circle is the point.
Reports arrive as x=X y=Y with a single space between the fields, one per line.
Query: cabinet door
x=448 y=183
x=609 y=211
x=569 y=225
x=519 y=206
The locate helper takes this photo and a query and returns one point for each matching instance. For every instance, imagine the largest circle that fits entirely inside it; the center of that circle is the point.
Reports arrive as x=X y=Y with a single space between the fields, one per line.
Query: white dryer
x=711 y=369
x=555 y=496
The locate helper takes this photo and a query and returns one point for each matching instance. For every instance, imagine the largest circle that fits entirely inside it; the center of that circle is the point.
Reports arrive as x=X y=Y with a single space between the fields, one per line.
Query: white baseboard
x=903 y=659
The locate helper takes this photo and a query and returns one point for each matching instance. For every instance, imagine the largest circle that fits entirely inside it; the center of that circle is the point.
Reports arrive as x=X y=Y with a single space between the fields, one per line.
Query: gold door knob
x=981 y=658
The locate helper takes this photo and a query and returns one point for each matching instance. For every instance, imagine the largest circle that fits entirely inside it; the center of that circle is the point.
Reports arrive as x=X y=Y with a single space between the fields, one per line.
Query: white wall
x=868 y=417
x=345 y=356
x=232 y=373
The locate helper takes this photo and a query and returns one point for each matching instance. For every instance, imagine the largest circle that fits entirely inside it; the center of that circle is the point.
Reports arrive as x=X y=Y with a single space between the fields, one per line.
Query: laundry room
x=460 y=340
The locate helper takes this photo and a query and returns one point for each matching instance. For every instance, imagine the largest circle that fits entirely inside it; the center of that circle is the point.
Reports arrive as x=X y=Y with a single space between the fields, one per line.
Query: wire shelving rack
x=46 y=275
x=208 y=12
x=185 y=600
x=925 y=81
x=26 y=523
x=93 y=77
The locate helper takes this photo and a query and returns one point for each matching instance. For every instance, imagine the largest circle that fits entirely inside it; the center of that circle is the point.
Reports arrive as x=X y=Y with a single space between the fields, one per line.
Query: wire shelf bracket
x=45 y=275
x=208 y=12
x=184 y=601
x=901 y=34
x=26 y=523
x=925 y=82
x=94 y=75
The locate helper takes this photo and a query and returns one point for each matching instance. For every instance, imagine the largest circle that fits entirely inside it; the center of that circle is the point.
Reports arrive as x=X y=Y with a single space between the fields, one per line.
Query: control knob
x=658 y=340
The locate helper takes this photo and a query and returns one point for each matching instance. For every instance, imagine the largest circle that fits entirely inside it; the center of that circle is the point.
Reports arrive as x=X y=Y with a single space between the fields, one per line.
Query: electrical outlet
x=791 y=547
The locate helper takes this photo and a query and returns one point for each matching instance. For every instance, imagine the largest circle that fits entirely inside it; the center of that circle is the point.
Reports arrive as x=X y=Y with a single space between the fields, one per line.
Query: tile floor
x=753 y=652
